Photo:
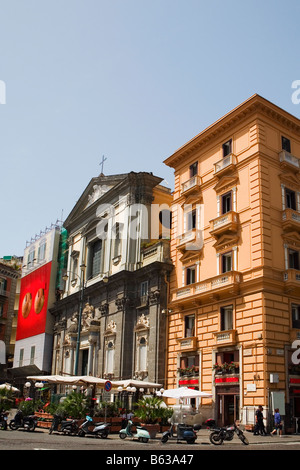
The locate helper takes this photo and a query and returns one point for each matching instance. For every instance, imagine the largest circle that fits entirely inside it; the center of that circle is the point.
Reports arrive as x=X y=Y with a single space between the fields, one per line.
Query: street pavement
x=41 y=440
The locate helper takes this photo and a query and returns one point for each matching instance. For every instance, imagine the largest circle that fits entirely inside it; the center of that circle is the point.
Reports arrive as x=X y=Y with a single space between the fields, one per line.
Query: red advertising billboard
x=33 y=302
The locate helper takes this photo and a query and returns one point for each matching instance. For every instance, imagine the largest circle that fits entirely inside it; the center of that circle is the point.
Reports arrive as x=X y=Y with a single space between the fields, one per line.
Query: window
x=190 y=275
x=226 y=262
x=189 y=362
x=227 y=318
x=21 y=357
x=144 y=288
x=293 y=259
x=194 y=169
x=227 y=148
x=286 y=144
x=189 y=326
x=226 y=202
x=42 y=251
x=191 y=220
x=295 y=316
x=117 y=240
x=32 y=355
x=290 y=199
x=1 y=310
x=95 y=258
x=3 y=285
x=30 y=259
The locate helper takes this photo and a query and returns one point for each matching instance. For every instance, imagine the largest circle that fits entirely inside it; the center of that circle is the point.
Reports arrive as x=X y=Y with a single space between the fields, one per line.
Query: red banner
x=33 y=303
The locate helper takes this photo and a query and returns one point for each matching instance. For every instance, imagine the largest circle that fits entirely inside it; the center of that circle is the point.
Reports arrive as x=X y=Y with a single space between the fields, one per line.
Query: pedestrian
x=277 y=423
x=124 y=419
x=259 y=422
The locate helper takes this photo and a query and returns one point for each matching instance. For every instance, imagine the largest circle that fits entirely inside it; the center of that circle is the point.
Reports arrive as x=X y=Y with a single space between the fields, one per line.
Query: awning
x=23 y=371
x=135 y=383
x=68 y=380
x=90 y=380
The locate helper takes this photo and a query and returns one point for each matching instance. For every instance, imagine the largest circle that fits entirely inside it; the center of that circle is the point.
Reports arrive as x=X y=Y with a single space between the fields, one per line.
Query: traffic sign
x=107 y=386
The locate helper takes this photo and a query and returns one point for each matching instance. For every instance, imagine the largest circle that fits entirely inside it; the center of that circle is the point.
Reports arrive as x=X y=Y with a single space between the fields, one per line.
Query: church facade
x=109 y=317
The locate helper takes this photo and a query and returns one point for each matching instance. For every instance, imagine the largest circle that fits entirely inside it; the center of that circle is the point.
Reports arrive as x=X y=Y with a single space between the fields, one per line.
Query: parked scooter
x=99 y=430
x=28 y=423
x=184 y=432
x=141 y=435
x=65 y=426
x=3 y=420
x=219 y=435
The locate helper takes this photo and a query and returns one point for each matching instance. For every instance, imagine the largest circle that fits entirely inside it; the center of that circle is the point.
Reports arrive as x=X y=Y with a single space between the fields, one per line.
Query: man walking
x=259 y=422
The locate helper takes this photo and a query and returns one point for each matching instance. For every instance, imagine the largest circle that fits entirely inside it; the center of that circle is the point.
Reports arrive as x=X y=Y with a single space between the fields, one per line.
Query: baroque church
x=110 y=313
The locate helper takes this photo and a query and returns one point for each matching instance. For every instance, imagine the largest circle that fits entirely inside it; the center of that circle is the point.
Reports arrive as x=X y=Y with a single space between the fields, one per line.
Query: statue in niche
x=88 y=315
x=73 y=328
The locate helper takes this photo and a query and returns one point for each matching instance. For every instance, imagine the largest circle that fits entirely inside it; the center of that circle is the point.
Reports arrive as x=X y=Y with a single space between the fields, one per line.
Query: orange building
x=234 y=310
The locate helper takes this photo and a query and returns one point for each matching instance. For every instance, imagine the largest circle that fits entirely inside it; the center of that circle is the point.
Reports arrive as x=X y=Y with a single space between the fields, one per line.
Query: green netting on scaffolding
x=62 y=258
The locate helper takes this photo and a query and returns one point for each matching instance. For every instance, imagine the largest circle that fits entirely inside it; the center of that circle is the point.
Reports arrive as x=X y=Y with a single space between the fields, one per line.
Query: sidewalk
x=203 y=437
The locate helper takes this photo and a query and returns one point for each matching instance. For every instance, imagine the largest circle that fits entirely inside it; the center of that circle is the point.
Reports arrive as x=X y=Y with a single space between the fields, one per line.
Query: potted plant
x=217 y=368
x=149 y=410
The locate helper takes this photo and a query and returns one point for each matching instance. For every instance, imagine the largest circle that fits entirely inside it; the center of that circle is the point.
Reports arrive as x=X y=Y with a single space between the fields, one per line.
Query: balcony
x=225 y=338
x=158 y=251
x=191 y=186
x=227 y=283
x=228 y=222
x=227 y=163
x=288 y=160
x=191 y=240
x=290 y=220
x=188 y=344
x=291 y=279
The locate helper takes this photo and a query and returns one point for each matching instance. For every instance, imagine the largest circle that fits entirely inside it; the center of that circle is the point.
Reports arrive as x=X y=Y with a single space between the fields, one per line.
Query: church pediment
x=95 y=190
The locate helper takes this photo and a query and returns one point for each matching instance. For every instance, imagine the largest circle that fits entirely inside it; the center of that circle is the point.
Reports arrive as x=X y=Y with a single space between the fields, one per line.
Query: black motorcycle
x=211 y=424
x=3 y=420
x=64 y=426
x=219 y=435
x=28 y=423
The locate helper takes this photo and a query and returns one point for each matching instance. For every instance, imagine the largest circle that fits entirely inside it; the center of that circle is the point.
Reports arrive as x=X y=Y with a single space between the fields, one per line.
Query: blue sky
x=129 y=79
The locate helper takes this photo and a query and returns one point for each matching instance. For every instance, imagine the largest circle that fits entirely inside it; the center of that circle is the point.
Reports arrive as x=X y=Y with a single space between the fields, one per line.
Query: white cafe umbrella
x=185 y=392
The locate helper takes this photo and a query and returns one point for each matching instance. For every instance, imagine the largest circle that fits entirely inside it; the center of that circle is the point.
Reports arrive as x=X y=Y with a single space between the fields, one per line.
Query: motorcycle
x=65 y=426
x=99 y=430
x=211 y=424
x=219 y=435
x=28 y=423
x=185 y=432
x=141 y=435
x=3 y=420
